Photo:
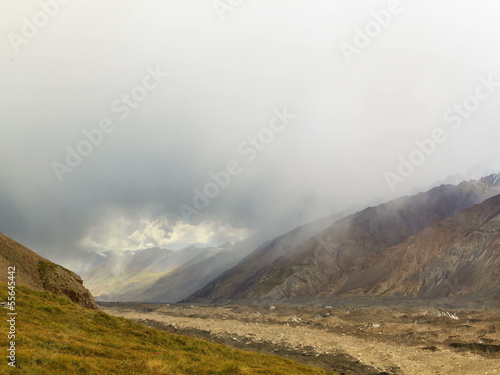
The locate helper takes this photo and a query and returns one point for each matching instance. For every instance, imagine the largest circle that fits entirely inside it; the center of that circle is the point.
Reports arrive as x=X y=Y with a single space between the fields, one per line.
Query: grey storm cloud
x=141 y=103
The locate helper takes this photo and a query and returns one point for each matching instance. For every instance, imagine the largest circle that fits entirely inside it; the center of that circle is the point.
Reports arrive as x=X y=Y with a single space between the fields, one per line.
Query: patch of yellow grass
x=56 y=336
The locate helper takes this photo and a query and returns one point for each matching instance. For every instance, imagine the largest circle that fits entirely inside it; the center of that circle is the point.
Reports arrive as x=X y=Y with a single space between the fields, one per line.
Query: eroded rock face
x=60 y=280
x=38 y=273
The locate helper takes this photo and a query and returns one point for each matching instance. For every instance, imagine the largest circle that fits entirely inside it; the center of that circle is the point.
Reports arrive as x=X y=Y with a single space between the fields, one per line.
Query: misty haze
x=315 y=185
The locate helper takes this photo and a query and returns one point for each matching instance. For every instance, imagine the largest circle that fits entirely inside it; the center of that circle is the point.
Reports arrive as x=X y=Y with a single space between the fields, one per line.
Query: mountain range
x=166 y=276
x=398 y=248
x=131 y=273
x=354 y=255
x=202 y=269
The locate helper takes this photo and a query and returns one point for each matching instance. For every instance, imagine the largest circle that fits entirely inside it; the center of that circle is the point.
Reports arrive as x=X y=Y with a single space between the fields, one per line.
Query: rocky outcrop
x=38 y=273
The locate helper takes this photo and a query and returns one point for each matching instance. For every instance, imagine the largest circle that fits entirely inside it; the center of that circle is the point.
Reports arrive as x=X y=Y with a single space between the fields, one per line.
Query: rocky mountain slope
x=272 y=250
x=39 y=273
x=457 y=256
x=324 y=263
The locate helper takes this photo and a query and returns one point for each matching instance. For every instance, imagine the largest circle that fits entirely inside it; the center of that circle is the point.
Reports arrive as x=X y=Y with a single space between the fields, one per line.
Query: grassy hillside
x=57 y=336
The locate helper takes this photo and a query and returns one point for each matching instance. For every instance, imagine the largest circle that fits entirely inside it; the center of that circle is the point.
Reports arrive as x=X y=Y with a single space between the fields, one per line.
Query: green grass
x=45 y=267
x=56 y=336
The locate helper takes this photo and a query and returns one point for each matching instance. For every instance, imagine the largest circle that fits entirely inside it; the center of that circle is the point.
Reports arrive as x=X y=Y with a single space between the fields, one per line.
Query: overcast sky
x=180 y=86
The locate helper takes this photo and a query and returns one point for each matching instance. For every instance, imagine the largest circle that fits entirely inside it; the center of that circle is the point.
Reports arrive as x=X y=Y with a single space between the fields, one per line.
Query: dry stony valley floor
x=396 y=340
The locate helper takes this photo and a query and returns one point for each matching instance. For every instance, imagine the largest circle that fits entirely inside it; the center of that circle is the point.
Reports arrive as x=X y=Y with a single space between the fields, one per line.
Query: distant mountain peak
x=492 y=179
